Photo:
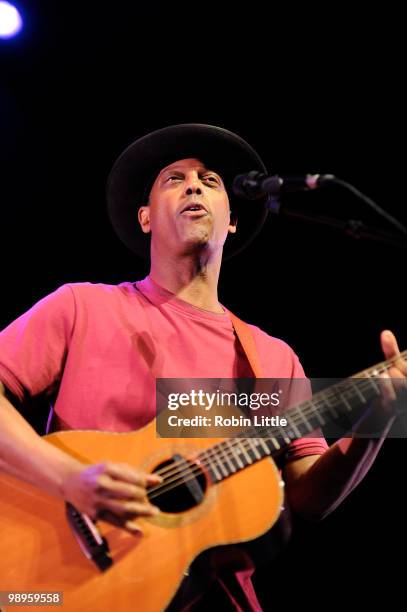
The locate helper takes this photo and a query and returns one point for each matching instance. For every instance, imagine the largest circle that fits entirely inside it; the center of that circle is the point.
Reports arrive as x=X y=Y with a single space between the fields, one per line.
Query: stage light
x=10 y=20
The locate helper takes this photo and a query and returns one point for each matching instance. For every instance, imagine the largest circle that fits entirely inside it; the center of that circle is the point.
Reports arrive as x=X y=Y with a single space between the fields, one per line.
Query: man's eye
x=174 y=178
x=212 y=179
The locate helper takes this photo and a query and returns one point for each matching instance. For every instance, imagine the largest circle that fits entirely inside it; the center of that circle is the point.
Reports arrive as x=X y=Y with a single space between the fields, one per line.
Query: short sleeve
x=33 y=348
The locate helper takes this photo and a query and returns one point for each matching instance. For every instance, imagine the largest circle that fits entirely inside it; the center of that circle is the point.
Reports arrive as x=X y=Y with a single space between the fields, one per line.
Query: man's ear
x=233 y=223
x=144 y=219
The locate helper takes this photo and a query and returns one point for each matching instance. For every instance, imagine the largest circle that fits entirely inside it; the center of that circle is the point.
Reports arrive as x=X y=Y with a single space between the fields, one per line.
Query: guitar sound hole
x=183 y=487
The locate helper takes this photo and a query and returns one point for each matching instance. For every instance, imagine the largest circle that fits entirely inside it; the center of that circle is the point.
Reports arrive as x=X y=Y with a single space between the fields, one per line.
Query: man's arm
x=317 y=484
x=117 y=490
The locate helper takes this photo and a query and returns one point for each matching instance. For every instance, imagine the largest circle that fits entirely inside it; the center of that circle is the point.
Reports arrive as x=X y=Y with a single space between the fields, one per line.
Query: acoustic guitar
x=214 y=492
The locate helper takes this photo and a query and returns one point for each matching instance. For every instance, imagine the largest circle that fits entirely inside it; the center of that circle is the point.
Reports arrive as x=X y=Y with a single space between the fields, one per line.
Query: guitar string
x=211 y=456
x=241 y=441
x=311 y=409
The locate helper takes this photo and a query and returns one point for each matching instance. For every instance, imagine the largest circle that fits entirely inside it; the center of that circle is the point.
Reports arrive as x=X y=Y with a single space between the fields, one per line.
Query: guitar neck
x=343 y=399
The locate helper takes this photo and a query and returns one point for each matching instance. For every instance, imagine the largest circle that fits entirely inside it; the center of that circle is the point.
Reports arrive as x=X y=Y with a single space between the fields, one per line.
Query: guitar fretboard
x=341 y=399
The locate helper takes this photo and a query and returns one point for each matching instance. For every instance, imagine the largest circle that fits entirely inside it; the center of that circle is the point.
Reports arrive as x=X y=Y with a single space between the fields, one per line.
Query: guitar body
x=39 y=552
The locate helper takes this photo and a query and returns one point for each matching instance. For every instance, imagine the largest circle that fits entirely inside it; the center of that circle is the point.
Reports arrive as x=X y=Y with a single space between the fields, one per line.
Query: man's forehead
x=186 y=164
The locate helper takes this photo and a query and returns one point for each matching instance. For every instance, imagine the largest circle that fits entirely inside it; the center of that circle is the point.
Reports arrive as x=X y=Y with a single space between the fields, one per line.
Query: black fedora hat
x=135 y=170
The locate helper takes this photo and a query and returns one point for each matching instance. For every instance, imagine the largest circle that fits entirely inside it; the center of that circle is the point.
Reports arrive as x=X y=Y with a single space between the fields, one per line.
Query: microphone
x=255 y=184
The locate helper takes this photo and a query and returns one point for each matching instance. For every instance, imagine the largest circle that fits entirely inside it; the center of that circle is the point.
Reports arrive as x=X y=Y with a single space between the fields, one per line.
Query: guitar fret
x=295 y=429
x=236 y=456
x=253 y=444
x=314 y=422
x=331 y=408
x=317 y=414
x=358 y=391
x=286 y=439
x=276 y=443
x=307 y=425
x=264 y=445
x=244 y=453
x=222 y=466
x=345 y=401
x=373 y=383
x=228 y=460
x=214 y=469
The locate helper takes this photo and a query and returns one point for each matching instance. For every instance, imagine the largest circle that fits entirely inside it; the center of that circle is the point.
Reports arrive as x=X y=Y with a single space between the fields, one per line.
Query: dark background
x=313 y=90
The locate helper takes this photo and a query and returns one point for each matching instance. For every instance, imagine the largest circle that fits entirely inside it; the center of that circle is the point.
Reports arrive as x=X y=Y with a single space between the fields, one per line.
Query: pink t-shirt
x=95 y=350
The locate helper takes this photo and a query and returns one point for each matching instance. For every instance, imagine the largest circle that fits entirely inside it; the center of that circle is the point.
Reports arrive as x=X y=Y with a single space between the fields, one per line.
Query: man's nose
x=193 y=186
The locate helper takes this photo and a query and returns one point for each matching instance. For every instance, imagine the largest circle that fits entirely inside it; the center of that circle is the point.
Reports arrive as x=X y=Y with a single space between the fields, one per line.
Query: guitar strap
x=245 y=336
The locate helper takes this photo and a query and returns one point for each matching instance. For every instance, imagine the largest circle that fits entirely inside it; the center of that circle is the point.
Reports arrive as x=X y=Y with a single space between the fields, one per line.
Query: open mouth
x=194 y=208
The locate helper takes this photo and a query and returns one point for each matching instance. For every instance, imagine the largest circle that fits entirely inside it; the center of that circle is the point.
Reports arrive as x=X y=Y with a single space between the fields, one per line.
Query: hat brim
x=219 y=149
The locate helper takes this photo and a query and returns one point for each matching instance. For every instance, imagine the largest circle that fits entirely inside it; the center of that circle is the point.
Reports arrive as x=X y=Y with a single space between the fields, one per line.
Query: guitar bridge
x=92 y=544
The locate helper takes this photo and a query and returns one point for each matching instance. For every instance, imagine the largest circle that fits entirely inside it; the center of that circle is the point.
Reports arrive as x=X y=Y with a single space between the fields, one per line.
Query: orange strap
x=244 y=333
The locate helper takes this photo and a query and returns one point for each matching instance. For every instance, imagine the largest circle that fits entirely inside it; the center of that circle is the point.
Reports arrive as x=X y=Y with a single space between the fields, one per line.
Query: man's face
x=188 y=210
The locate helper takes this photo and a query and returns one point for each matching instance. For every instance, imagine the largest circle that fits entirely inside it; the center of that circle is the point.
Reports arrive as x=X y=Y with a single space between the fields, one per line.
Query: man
x=96 y=350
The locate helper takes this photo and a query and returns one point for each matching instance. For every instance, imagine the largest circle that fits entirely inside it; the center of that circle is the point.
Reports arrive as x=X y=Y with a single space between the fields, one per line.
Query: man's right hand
x=113 y=492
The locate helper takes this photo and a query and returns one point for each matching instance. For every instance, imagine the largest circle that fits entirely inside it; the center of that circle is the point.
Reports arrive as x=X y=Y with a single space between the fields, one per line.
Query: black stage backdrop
x=312 y=91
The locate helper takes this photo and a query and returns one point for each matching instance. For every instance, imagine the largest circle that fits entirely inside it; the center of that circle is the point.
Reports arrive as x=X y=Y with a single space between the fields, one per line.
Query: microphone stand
x=351 y=227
